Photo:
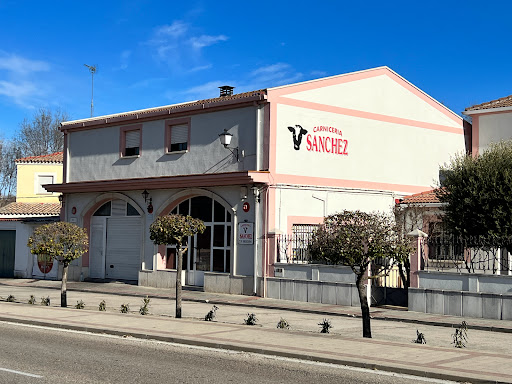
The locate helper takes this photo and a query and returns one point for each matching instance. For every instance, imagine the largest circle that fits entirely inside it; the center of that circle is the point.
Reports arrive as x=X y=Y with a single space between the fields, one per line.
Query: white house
x=298 y=152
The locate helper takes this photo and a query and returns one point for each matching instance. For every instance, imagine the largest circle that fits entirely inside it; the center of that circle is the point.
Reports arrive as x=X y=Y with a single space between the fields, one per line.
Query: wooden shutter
x=132 y=139
x=179 y=134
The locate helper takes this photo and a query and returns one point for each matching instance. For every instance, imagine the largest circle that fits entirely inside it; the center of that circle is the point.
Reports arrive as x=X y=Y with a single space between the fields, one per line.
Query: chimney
x=226 y=90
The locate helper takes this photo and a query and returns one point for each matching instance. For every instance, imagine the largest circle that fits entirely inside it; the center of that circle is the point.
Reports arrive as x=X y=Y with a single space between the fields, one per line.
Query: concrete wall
x=313 y=291
x=94 y=154
x=315 y=272
x=225 y=283
x=467 y=295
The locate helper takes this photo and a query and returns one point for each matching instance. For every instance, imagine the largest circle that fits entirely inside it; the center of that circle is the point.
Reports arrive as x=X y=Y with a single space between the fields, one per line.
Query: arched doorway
x=207 y=252
x=115 y=244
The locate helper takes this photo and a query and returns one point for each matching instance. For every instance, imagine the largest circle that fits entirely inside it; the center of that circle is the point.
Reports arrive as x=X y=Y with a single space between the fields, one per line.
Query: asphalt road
x=42 y=355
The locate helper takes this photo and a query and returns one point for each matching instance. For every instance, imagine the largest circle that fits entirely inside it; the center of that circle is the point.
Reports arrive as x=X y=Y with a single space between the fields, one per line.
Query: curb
x=266 y=352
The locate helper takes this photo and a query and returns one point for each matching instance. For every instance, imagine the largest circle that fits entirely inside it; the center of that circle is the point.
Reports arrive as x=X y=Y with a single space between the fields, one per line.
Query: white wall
x=494 y=128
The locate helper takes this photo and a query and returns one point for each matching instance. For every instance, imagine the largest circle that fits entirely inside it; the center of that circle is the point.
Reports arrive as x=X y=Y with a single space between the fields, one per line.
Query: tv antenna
x=92 y=69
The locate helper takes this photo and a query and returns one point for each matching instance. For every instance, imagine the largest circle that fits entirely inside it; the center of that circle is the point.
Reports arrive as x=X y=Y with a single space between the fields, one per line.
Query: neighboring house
x=298 y=152
x=492 y=122
x=33 y=206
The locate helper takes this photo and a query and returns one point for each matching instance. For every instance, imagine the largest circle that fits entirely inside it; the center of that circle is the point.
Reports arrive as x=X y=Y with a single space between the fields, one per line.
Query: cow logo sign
x=297 y=133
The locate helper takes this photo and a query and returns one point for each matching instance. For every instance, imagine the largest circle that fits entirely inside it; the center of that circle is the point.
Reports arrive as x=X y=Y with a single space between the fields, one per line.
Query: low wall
x=315 y=272
x=461 y=294
x=158 y=279
x=313 y=291
x=225 y=283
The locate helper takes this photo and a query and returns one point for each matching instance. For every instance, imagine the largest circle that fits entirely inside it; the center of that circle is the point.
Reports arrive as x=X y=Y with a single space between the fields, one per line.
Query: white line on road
x=227 y=351
x=20 y=373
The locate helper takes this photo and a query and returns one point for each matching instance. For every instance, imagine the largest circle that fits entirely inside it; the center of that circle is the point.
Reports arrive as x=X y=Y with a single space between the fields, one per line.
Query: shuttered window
x=132 y=143
x=42 y=180
x=177 y=132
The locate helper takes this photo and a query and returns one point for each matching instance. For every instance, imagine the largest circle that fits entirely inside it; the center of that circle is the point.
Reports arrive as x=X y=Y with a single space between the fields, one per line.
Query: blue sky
x=152 y=53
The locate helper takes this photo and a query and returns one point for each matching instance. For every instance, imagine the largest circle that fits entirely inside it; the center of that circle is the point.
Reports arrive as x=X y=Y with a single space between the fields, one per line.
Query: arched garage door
x=116 y=237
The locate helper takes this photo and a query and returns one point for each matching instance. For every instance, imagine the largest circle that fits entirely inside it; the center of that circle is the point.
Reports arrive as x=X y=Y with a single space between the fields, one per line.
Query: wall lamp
x=145 y=195
x=225 y=139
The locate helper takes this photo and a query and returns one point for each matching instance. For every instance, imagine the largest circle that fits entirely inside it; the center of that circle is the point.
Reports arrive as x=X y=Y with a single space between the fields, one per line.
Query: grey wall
x=94 y=154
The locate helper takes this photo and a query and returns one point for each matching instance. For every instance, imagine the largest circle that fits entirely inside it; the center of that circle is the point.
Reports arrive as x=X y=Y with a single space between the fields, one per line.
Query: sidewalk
x=487 y=358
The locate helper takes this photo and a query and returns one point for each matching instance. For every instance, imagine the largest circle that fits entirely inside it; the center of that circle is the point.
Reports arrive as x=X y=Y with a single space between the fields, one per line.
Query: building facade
x=34 y=206
x=298 y=152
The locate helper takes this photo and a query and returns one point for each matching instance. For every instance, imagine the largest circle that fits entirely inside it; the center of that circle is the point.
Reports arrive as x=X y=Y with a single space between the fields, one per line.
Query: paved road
x=38 y=355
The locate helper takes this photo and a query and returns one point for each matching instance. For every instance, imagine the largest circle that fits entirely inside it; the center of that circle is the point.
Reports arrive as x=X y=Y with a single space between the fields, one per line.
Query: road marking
x=228 y=351
x=20 y=373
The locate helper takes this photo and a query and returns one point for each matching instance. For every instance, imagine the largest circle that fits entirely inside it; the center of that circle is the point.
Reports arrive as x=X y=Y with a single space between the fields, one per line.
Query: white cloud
x=201 y=68
x=207 y=90
x=274 y=75
x=22 y=66
x=175 y=30
x=206 y=40
x=125 y=57
x=21 y=93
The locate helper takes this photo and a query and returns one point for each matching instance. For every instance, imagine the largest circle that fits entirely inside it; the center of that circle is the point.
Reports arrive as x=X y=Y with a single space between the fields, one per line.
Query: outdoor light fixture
x=225 y=139
x=145 y=195
x=150 y=205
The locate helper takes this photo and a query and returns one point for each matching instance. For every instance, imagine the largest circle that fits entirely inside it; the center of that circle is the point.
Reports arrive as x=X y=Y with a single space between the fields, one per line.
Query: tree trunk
x=365 y=309
x=178 y=280
x=63 y=288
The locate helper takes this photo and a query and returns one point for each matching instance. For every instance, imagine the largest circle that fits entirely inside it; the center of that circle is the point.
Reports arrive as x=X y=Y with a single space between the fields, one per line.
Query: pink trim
x=302 y=220
x=266 y=136
x=475 y=136
x=122 y=138
x=368 y=115
x=168 y=127
x=349 y=77
x=358 y=184
x=272 y=150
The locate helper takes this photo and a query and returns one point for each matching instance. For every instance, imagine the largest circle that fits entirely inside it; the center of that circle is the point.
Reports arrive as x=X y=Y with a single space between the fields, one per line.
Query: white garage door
x=123 y=258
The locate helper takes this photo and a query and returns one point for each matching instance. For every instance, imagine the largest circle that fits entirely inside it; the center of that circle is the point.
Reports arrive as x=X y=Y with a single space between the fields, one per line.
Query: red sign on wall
x=246 y=207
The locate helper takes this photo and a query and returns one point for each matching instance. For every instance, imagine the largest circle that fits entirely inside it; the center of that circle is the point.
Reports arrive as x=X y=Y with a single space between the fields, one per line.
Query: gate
x=389 y=288
x=7 y=252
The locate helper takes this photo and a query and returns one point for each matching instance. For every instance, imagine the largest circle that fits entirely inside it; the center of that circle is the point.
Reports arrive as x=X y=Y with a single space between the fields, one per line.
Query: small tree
x=355 y=239
x=477 y=191
x=62 y=241
x=175 y=229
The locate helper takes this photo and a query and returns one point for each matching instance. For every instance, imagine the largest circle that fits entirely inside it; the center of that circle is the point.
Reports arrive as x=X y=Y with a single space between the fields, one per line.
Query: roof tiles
x=57 y=157
x=47 y=209
x=498 y=103
x=427 y=197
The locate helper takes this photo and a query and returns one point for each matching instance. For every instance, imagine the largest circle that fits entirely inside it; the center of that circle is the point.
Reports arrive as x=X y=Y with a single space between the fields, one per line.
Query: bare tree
x=9 y=152
x=41 y=135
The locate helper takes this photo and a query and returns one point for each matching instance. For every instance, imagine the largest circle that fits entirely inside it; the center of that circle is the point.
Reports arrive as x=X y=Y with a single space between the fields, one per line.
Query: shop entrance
x=7 y=252
x=209 y=251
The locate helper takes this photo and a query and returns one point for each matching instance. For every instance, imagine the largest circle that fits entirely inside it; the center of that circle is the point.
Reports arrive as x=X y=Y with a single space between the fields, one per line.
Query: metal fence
x=449 y=253
x=294 y=248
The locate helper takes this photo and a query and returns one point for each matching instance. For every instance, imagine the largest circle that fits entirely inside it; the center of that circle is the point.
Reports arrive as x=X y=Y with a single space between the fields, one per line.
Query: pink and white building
x=299 y=152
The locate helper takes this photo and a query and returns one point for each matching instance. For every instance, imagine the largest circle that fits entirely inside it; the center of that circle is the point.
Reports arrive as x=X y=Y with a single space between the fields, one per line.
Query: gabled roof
x=57 y=157
x=427 y=197
x=28 y=209
x=498 y=103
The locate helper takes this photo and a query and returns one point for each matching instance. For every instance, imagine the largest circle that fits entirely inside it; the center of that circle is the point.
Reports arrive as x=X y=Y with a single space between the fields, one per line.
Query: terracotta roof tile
x=57 y=157
x=427 y=197
x=498 y=103
x=165 y=109
x=49 y=209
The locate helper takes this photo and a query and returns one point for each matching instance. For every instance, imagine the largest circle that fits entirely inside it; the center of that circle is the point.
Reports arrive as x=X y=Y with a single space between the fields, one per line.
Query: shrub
x=32 y=299
x=80 y=305
x=45 y=301
x=211 y=314
x=103 y=306
x=325 y=326
x=420 y=338
x=11 y=299
x=125 y=308
x=251 y=319
x=144 y=308
x=460 y=337
x=283 y=324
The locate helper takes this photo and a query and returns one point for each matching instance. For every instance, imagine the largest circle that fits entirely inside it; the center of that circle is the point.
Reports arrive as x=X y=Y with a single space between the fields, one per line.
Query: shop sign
x=321 y=138
x=245 y=233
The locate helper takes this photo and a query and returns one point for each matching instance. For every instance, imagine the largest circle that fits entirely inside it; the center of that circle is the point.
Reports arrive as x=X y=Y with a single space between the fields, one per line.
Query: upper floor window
x=42 y=180
x=177 y=135
x=131 y=140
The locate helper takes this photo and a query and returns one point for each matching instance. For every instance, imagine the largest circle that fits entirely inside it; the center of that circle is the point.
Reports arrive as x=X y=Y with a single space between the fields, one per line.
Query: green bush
x=103 y=306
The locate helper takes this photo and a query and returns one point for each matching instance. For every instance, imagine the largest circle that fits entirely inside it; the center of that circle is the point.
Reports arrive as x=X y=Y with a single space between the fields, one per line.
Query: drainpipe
x=257 y=232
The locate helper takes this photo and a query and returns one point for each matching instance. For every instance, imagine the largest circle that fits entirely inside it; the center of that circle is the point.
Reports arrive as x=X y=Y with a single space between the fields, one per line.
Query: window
x=42 y=180
x=131 y=140
x=177 y=135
